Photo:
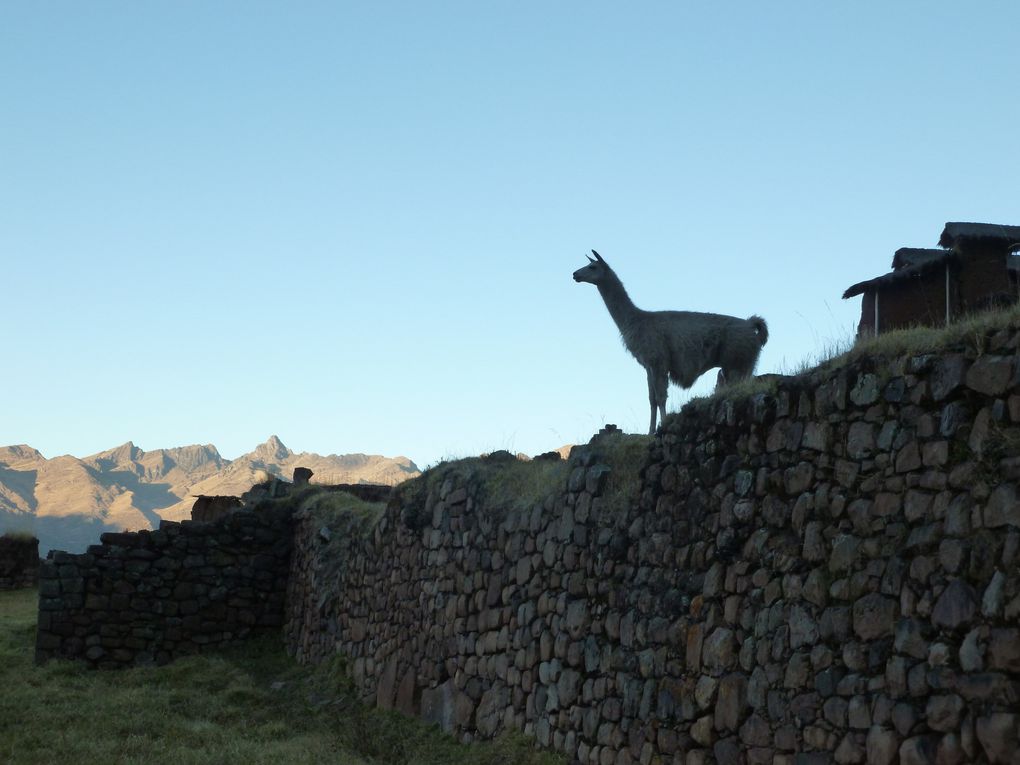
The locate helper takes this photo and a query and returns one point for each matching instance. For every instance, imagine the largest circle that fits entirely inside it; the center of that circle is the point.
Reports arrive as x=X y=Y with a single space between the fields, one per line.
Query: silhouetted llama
x=677 y=346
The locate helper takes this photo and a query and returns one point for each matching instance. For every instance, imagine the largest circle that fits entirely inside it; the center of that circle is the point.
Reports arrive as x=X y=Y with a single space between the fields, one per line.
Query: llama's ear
x=597 y=257
x=590 y=258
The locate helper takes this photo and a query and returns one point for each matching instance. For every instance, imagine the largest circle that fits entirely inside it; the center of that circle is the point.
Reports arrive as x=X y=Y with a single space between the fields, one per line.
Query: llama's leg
x=651 y=402
x=736 y=372
x=657 y=388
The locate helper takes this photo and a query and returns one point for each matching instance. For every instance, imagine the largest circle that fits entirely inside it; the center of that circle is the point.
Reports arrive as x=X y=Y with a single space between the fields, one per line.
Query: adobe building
x=976 y=270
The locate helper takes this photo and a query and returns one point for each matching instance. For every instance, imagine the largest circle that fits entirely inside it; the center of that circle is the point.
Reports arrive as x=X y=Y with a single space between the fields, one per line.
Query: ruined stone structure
x=19 y=561
x=827 y=573
x=209 y=508
x=149 y=596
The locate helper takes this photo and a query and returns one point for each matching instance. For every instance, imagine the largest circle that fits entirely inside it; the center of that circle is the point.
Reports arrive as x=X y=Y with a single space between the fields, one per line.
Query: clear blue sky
x=354 y=225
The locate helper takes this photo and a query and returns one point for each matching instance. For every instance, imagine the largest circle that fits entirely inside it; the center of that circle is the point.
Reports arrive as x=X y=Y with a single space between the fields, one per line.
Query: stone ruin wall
x=19 y=562
x=826 y=574
x=149 y=596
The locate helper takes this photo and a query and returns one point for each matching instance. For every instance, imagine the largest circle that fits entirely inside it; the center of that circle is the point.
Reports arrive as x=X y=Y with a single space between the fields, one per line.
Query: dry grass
x=970 y=333
x=503 y=486
x=249 y=705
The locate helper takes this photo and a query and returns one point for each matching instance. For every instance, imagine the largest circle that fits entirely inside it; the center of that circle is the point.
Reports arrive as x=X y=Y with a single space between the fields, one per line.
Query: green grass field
x=247 y=705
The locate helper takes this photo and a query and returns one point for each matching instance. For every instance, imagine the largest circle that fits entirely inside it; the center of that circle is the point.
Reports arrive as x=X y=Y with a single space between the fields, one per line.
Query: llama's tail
x=760 y=327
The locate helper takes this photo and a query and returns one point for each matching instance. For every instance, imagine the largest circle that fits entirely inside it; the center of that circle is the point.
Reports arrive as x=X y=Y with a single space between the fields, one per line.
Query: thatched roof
x=912 y=256
x=955 y=233
x=910 y=262
x=907 y=270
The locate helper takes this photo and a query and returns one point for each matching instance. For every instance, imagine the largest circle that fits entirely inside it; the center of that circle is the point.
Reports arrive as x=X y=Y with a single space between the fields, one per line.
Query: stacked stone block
x=19 y=561
x=827 y=573
x=149 y=596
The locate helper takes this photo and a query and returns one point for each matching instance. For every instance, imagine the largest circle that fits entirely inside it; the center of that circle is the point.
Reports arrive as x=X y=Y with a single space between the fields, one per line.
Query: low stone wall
x=824 y=574
x=148 y=596
x=19 y=562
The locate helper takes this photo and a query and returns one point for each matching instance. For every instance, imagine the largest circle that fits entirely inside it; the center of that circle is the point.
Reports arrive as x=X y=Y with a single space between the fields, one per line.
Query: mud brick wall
x=149 y=596
x=19 y=562
x=826 y=573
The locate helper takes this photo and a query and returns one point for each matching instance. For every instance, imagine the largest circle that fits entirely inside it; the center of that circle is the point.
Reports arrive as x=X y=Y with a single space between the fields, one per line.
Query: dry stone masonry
x=149 y=596
x=823 y=574
x=19 y=561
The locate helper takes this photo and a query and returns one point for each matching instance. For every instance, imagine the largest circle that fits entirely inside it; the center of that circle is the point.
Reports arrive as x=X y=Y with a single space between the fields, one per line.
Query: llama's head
x=595 y=272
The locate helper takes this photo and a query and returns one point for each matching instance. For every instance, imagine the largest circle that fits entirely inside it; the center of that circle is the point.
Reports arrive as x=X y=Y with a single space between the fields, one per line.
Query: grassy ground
x=967 y=334
x=246 y=705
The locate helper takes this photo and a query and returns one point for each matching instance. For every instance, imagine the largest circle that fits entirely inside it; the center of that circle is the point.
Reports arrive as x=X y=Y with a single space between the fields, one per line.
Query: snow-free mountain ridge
x=68 y=502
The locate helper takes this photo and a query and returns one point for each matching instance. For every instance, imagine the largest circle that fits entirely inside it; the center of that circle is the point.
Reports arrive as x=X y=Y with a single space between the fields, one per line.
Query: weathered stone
x=972 y=652
x=755 y=732
x=567 y=687
x=850 y=750
x=720 y=649
x=956 y=606
x=860 y=440
x=835 y=712
x=386 y=689
x=950 y=751
x=731 y=702
x=910 y=639
x=844 y=553
x=948 y=376
x=954 y=417
x=815 y=547
x=873 y=616
x=992 y=600
x=943 y=712
x=859 y=713
x=728 y=749
x=489 y=713
x=916 y=505
x=991 y=375
x=798 y=669
x=437 y=705
x=816 y=436
x=997 y=733
x=989 y=687
x=803 y=629
x=1002 y=508
x=865 y=391
x=919 y=750
x=1004 y=649
x=577 y=619
x=704 y=691
x=798 y=479
x=908 y=458
x=703 y=731
x=882 y=746
x=785 y=434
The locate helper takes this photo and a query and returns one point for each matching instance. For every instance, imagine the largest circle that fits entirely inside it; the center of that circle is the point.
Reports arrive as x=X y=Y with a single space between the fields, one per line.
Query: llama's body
x=677 y=346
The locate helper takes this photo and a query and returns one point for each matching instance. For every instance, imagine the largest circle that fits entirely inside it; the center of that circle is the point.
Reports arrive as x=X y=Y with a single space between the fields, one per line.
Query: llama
x=677 y=346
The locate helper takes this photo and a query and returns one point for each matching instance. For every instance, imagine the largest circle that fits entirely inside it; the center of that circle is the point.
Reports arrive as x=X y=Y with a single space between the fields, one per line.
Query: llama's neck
x=618 y=302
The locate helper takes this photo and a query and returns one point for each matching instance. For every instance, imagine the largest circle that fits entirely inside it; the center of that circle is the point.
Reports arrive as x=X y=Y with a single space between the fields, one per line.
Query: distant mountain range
x=68 y=502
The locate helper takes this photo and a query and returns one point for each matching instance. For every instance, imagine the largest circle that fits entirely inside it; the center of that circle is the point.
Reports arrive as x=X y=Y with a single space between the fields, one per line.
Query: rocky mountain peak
x=19 y=452
x=272 y=450
x=125 y=454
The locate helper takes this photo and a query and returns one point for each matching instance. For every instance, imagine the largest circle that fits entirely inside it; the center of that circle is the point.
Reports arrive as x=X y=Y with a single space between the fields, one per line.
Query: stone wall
x=826 y=573
x=19 y=561
x=148 y=596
